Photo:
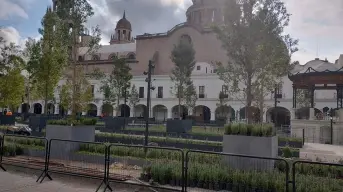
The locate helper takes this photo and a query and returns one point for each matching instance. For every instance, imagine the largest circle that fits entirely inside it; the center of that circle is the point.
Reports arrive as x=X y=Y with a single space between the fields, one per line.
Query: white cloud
x=8 y=9
x=10 y=34
x=318 y=26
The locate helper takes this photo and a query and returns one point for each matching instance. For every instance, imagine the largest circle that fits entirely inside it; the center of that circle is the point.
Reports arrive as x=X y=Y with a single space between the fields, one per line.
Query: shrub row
x=171 y=155
x=24 y=141
x=258 y=130
x=81 y=121
x=224 y=178
x=157 y=139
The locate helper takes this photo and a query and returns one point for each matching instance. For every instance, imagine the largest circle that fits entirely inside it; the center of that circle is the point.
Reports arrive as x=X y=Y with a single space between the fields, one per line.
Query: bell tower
x=123 y=32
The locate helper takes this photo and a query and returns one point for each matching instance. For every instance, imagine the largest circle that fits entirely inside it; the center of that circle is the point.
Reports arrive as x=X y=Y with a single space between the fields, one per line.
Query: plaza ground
x=26 y=182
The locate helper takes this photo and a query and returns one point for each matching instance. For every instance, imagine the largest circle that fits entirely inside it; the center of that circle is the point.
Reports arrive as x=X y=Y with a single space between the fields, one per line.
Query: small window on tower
x=198 y=68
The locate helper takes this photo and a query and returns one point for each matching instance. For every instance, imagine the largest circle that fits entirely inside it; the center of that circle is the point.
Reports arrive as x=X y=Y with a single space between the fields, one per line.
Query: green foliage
x=259 y=52
x=76 y=89
x=157 y=139
x=10 y=56
x=82 y=121
x=134 y=97
x=12 y=88
x=74 y=15
x=118 y=81
x=258 y=130
x=191 y=96
x=53 y=60
x=183 y=57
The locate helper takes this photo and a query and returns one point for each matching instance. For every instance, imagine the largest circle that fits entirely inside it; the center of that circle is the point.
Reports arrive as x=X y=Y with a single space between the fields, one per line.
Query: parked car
x=19 y=130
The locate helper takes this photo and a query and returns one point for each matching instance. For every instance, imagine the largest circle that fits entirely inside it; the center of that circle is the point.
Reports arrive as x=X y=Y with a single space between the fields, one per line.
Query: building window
x=93 y=89
x=113 y=57
x=201 y=91
x=198 y=68
x=131 y=56
x=160 y=92
x=95 y=58
x=186 y=39
x=80 y=58
x=225 y=90
x=206 y=69
x=141 y=92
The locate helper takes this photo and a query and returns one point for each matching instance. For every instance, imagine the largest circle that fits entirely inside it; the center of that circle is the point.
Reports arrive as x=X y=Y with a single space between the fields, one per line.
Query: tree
x=222 y=104
x=33 y=55
x=51 y=66
x=10 y=56
x=11 y=89
x=303 y=99
x=190 y=96
x=183 y=57
x=113 y=85
x=134 y=98
x=83 y=93
x=258 y=52
x=74 y=15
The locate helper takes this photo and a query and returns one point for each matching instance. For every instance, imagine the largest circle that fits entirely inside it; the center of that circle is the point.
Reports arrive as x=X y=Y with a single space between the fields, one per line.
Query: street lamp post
x=147 y=115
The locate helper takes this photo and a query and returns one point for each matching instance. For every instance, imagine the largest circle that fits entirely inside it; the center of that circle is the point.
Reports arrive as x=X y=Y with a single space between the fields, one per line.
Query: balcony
x=201 y=96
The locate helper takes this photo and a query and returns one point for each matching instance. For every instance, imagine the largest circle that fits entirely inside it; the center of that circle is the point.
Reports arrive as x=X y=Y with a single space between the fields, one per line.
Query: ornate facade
x=157 y=47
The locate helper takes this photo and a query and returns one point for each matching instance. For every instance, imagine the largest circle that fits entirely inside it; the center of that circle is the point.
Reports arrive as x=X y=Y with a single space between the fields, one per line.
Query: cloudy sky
x=318 y=24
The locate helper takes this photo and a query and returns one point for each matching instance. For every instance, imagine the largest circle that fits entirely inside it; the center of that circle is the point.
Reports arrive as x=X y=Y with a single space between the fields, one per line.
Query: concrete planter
x=7 y=120
x=62 y=149
x=253 y=146
x=114 y=123
x=37 y=123
x=179 y=126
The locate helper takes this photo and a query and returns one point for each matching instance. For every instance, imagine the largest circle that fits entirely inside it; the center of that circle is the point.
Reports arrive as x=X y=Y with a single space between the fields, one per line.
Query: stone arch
x=25 y=108
x=124 y=110
x=140 y=111
x=223 y=112
x=62 y=111
x=202 y=113
x=131 y=56
x=186 y=38
x=175 y=112
x=253 y=113
x=279 y=116
x=107 y=109
x=160 y=112
x=51 y=109
x=113 y=56
x=92 y=110
x=37 y=108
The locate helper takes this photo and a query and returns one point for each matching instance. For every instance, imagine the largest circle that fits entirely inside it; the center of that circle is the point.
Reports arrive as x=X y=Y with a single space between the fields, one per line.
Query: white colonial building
x=157 y=47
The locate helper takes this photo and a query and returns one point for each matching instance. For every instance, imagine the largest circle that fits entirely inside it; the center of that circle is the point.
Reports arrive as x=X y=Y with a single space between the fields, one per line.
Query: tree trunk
x=179 y=94
x=248 y=114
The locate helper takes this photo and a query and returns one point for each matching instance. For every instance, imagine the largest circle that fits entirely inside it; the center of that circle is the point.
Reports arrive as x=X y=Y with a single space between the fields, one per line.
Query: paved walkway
x=324 y=152
x=10 y=182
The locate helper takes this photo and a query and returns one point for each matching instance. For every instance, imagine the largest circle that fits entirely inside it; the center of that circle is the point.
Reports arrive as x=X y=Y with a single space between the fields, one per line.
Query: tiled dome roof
x=123 y=23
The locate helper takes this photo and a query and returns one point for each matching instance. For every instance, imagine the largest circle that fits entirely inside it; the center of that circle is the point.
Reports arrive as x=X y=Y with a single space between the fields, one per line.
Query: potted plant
x=250 y=139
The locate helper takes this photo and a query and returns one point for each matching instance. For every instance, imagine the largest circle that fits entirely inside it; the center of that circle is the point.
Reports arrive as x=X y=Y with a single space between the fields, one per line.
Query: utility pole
x=125 y=100
x=147 y=115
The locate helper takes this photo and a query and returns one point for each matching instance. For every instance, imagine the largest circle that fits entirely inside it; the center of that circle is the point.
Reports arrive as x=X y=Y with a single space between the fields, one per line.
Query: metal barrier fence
x=169 y=169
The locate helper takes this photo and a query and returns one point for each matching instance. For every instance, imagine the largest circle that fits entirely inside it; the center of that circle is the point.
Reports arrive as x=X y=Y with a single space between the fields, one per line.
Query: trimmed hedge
x=81 y=121
x=257 y=130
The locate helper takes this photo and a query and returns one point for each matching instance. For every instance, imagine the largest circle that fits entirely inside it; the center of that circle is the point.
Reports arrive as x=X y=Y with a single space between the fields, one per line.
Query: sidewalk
x=10 y=182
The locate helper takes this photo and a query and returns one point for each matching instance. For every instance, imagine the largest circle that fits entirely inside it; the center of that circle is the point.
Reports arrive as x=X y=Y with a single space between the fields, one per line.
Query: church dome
x=123 y=23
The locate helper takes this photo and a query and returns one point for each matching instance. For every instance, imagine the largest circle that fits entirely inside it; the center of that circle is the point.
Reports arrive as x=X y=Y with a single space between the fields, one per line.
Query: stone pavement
x=10 y=182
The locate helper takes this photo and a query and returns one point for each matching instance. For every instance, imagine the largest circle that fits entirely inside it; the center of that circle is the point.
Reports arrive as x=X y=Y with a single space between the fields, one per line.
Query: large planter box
x=114 y=123
x=62 y=149
x=252 y=146
x=7 y=120
x=37 y=123
x=179 y=126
